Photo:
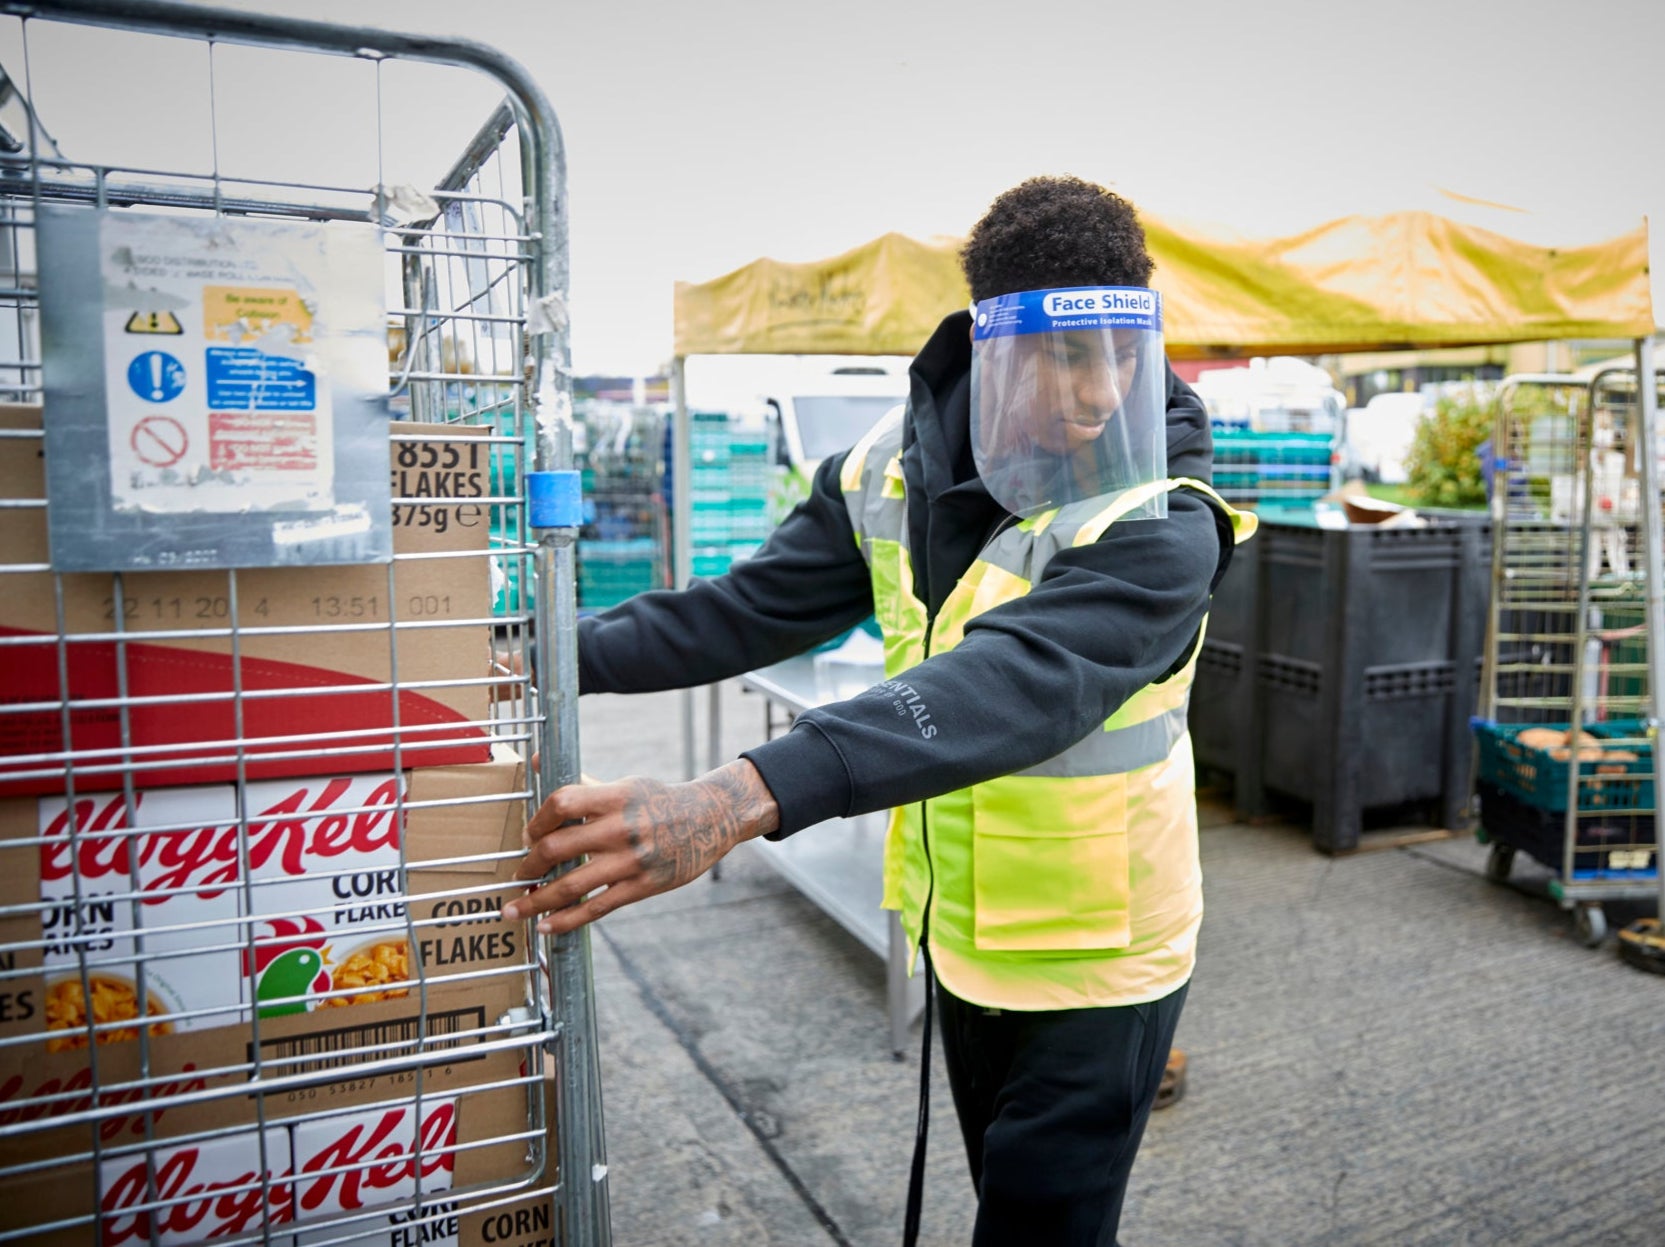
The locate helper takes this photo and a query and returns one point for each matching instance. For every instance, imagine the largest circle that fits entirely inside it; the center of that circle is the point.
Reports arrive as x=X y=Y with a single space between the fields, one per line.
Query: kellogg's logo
x=56 y=1097
x=298 y=827
x=373 y=1161
x=215 y=1192
x=189 y=1205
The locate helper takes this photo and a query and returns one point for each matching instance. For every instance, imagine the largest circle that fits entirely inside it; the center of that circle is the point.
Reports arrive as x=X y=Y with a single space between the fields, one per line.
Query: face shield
x=1069 y=397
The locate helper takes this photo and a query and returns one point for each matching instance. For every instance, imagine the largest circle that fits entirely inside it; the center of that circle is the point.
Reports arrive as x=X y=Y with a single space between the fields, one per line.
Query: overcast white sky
x=701 y=135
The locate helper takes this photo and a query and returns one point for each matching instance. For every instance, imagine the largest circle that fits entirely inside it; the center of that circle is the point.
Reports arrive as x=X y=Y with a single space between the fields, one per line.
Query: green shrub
x=1442 y=467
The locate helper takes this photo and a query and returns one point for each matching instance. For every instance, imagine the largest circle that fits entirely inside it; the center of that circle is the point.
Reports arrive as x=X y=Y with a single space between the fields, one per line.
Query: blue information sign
x=156 y=376
x=244 y=379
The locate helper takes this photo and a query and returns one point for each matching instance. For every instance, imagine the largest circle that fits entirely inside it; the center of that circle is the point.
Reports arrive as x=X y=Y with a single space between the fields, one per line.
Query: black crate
x=1542 y=834
x=1340 y=671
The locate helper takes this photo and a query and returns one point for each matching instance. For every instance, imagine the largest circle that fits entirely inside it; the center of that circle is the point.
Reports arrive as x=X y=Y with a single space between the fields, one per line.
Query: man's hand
x=642 y=837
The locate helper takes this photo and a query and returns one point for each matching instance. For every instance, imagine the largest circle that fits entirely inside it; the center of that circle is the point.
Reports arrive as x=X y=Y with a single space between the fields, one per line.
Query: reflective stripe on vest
x=1074 y=882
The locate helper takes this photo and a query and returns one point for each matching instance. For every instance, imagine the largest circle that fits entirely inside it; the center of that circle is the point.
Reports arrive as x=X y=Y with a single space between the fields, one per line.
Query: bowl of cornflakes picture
x=114 y=998
x=370 y=968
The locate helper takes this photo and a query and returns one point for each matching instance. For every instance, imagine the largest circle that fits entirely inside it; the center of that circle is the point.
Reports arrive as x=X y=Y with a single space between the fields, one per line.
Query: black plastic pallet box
x=1340 y=670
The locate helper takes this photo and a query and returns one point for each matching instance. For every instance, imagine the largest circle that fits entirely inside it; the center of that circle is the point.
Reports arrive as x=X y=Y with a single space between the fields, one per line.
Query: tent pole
x=1647 y=412
x=682 y=511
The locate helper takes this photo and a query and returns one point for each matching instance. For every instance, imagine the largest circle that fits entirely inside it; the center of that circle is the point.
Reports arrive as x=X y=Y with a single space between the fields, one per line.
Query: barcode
x=448 y=1031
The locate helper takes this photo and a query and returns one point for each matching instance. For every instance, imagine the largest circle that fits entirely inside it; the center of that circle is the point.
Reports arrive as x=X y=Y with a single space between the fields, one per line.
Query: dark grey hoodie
x=1029 y=679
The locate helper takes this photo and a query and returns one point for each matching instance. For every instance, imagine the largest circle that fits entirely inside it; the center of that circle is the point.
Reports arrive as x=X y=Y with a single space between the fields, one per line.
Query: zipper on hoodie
x=916 y=1173
x=925 y=832
x=1009 y=521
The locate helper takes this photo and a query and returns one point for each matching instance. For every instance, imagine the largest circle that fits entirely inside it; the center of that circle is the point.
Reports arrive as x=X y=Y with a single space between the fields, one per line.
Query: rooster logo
x=291 y=963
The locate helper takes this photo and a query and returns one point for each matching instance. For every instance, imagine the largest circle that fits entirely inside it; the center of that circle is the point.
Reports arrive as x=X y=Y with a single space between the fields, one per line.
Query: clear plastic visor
x=1069 y=398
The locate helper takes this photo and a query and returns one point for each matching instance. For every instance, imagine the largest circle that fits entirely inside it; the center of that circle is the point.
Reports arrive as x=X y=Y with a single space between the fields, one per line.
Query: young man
x=1035 y=537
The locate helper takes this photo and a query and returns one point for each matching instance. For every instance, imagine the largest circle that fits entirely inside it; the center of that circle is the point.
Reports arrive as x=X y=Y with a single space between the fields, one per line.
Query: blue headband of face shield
x=1069 y=396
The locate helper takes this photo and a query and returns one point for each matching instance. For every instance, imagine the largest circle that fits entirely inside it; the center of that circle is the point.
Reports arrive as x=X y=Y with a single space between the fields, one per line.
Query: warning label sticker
x=237 y=440
x=243 y=313
x=254 y=381
x=160 y=441
x=154 y=322
x=219 y=389
x=234 y=413
x=156 y=376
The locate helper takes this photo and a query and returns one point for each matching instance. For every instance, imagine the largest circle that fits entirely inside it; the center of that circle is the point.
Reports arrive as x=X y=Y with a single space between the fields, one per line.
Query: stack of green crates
x=733 y=474
x=611 y=570
x=622 y=548
x=1291 y=469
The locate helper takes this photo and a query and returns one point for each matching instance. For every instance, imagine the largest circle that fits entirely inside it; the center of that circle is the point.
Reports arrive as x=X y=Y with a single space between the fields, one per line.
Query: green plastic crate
x=1540 y=780
x=716 y=559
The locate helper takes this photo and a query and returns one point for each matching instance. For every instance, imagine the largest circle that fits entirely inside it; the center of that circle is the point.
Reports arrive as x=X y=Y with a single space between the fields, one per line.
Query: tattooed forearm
x=634 y=839
x=746 y=797
x=681 y=831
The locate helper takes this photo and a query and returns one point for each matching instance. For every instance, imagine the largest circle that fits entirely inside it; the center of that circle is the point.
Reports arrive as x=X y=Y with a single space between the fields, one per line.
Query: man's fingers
x=616 y=896
x=565 y=844
x=600 y=822
x=572 y=803
x=603 y=871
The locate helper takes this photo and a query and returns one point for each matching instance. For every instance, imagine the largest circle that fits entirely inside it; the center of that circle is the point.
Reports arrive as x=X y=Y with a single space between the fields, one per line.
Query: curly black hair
x=1050 y=232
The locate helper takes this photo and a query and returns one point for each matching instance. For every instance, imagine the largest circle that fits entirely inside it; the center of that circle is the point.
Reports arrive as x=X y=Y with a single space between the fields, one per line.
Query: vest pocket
x=900 y=618
x=1050 y=866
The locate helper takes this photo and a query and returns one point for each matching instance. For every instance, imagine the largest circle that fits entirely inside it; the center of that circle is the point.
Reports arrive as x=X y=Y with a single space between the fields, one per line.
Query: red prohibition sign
x=159 y=441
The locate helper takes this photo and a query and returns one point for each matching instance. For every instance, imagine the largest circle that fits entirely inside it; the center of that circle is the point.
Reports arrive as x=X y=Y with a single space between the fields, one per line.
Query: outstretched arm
x=642 y=837
x=806 y=585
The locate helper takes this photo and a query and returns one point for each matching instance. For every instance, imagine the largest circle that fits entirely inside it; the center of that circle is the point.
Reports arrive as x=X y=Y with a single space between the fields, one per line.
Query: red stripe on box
x=430 y=733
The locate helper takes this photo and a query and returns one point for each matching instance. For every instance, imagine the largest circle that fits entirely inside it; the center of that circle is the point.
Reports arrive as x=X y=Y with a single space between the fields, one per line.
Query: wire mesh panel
x=258 y=819
x=1538 y=550
x=1565 y=765
x=624 y=548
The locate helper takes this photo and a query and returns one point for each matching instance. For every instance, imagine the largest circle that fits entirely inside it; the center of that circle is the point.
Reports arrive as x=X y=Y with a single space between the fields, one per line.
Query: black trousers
x=1052 y=1107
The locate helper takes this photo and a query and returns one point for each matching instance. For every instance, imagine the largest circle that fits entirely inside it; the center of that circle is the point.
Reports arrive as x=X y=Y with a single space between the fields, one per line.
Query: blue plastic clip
x=554 y=499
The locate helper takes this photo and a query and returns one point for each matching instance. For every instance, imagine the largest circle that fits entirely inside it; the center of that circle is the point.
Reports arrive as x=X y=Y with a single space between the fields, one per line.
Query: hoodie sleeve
x=805 y=585
x=1030 y=678
x=1190 y=437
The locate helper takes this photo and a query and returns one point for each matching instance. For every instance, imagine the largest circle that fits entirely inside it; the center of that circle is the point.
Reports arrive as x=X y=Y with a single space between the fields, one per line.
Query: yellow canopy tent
x=1404 y=281
x=1410 y=279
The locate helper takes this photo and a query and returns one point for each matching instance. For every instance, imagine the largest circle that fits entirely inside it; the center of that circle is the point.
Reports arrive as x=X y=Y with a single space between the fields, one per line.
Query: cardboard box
x=338 y=1133
x=325 y=851
x=311 y=911
x=460 y=1217
x=314 y=685
x=311 y=1180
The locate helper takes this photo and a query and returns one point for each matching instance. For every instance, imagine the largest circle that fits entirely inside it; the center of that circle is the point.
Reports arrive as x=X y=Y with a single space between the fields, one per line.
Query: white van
x=813 y=405
x=1379 y=436
x=826 y=410
x=1276 y=395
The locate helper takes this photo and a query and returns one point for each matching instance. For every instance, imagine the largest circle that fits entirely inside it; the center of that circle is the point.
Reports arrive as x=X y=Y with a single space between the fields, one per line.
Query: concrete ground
x=1385 y=1049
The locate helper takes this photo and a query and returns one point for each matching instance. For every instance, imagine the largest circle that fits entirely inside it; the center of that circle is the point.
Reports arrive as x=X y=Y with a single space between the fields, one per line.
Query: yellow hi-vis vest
x=1074 y=883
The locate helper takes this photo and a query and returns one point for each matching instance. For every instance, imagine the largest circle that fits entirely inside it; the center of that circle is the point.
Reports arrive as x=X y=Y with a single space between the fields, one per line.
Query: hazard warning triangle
x=154 y=322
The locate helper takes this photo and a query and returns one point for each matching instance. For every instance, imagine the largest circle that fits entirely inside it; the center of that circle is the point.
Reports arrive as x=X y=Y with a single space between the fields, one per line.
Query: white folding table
x=839 y=864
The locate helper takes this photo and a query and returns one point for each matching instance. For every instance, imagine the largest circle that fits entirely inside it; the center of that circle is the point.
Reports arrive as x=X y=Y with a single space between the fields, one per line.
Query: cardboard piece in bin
x=1359 y=507
x=315 y=682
